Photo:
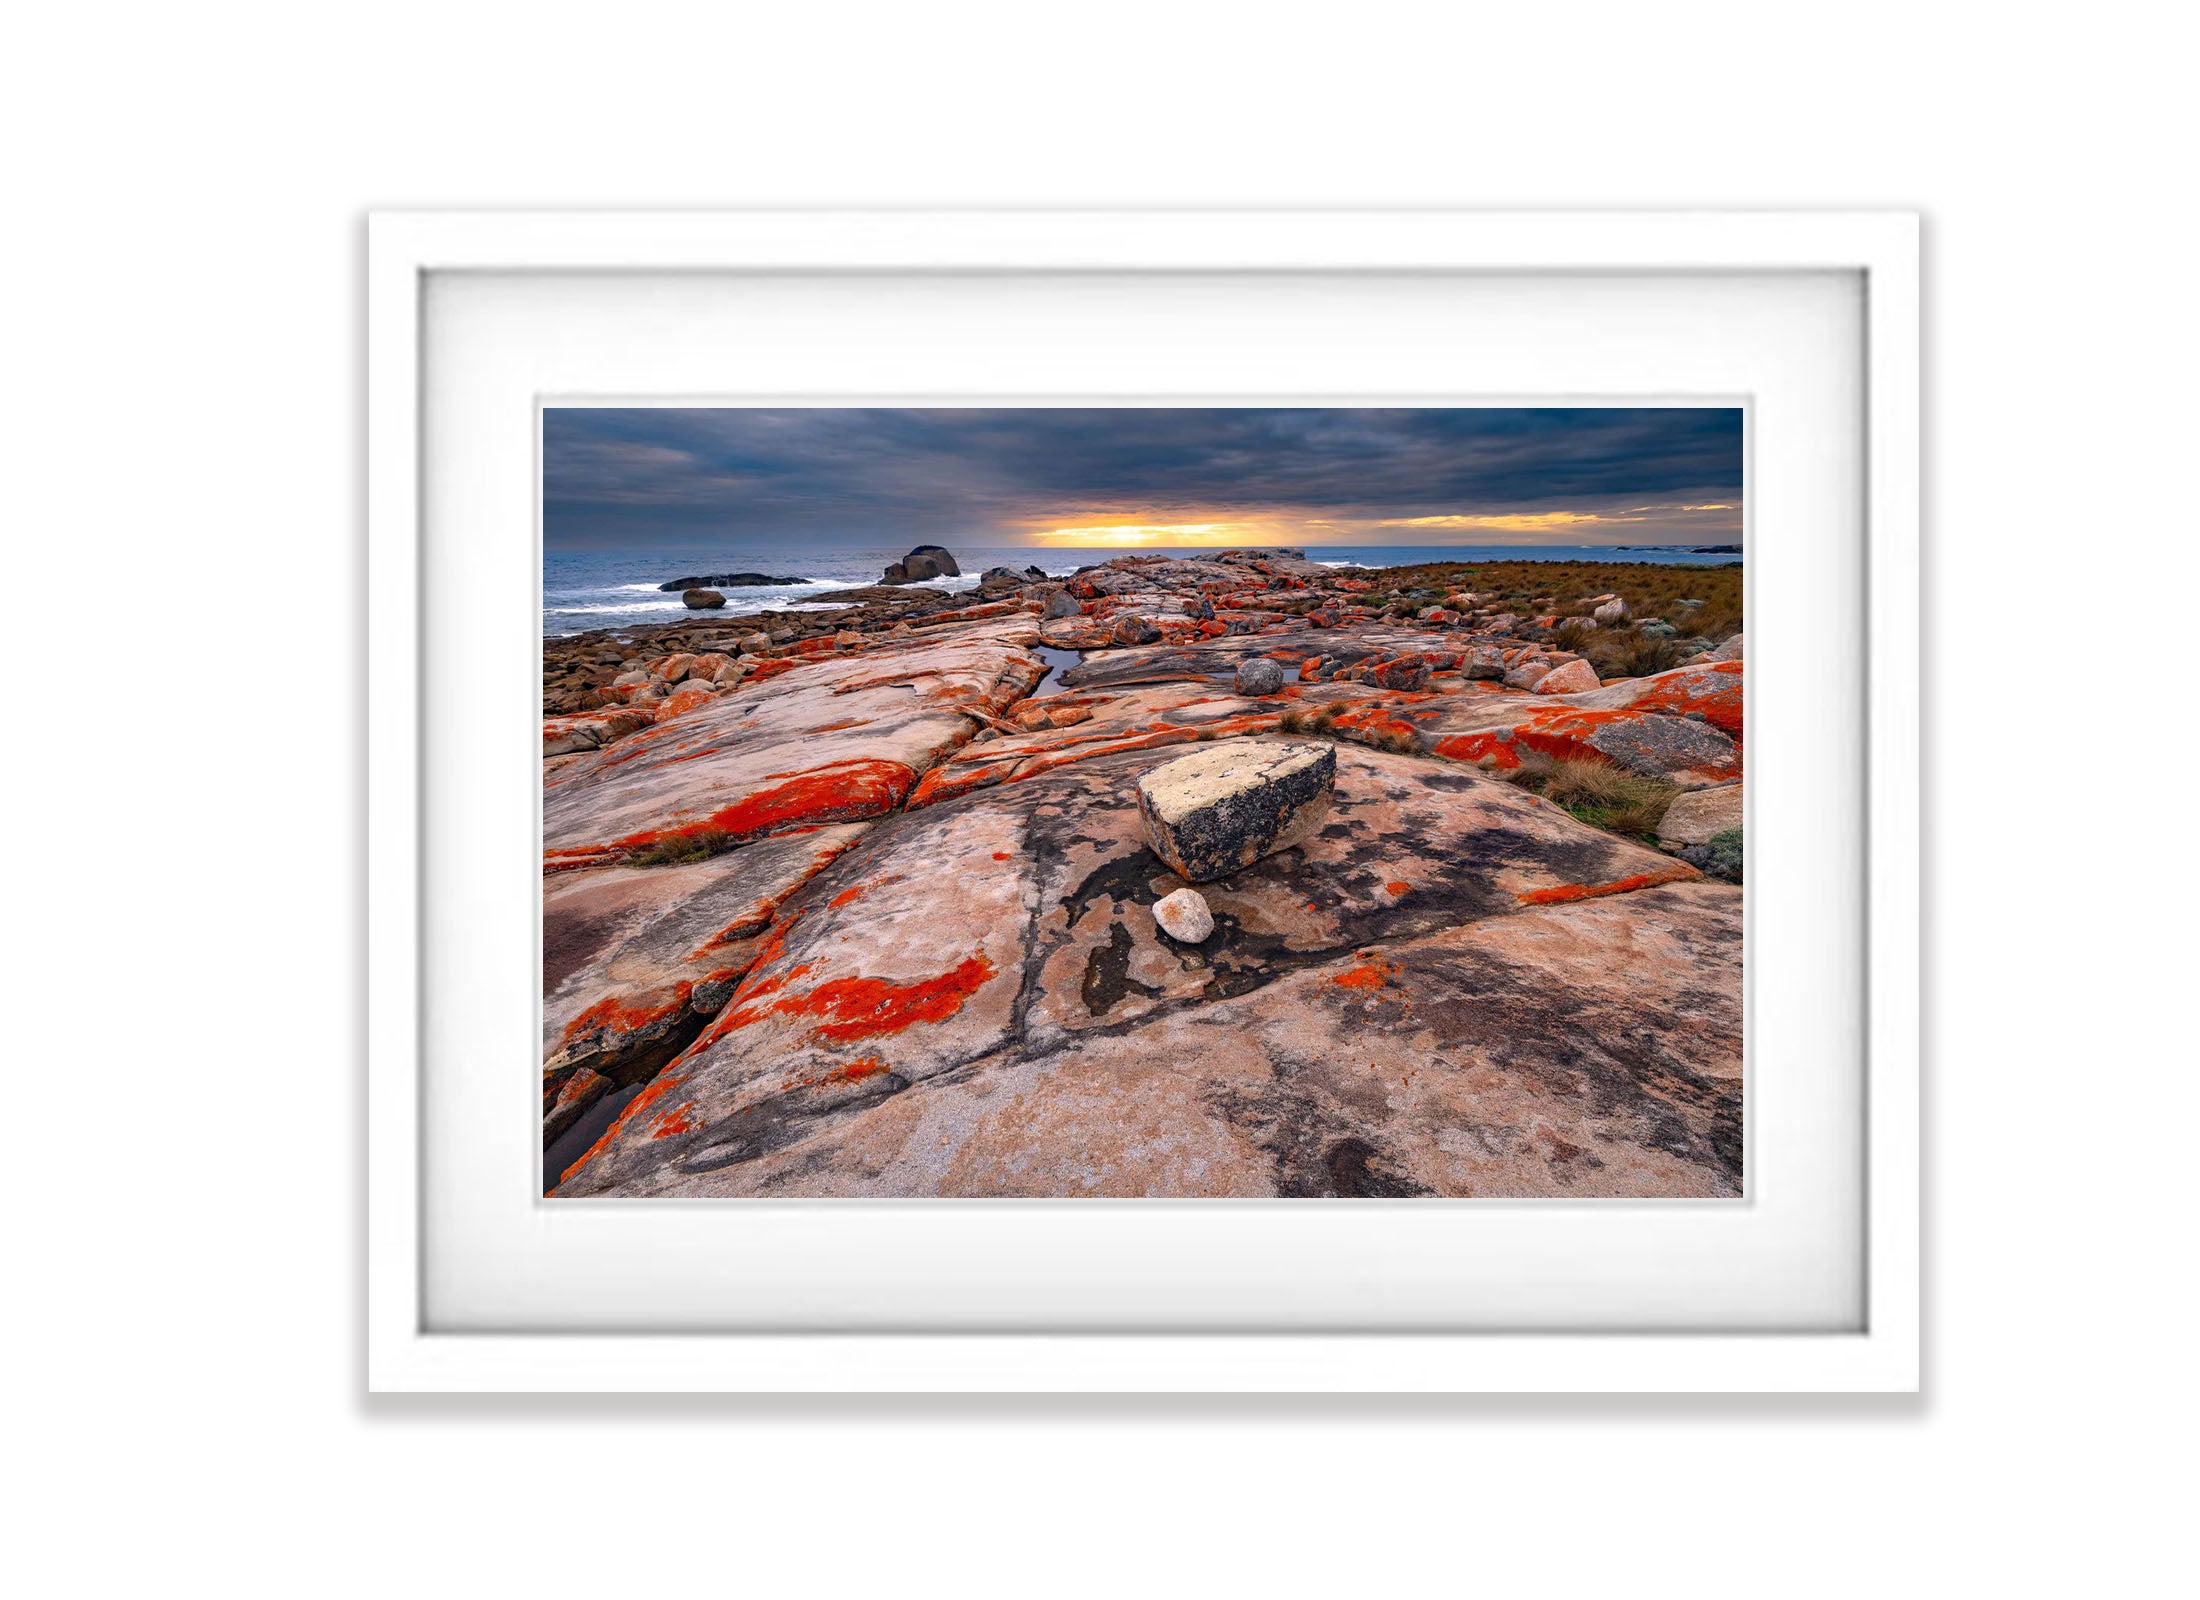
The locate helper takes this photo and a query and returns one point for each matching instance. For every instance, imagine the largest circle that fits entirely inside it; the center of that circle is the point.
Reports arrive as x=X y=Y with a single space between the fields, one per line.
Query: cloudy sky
x=1123 y=478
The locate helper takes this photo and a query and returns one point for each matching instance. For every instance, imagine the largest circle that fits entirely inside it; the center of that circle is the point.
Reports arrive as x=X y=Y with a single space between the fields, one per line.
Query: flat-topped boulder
x=1225 y=806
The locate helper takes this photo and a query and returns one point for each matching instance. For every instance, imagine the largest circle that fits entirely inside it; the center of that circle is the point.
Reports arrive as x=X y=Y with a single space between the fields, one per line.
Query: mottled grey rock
x=1135 y=630
x=1257 y=675
x=1527 y=674
x=1661 y=746
x=1064 y=604
x=1613 y=610
x=1210 y=813
x=1729 y=651
x=1483 y=661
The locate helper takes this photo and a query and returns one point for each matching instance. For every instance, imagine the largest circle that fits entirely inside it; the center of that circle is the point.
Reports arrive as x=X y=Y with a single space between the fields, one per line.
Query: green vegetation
x=1597 y=793
x=1566 y=587
x=682 y=848
x=1726 y=854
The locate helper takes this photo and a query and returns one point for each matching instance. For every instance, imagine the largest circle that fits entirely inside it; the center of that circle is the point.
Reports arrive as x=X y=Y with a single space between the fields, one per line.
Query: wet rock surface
x=834 y=906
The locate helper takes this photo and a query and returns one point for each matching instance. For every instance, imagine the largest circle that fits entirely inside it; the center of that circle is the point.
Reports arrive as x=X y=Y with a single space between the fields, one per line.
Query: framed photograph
x=1143 y=801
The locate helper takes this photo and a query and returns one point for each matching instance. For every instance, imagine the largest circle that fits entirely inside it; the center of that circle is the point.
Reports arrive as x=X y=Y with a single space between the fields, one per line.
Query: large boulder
x=1062 y=603
x=1729 y=651
x=703 y=599
x=1222 y=808
x=1613 y=610
x=1701 y=816
x=1257 y=676
x=1135 y=629
x=926 y=561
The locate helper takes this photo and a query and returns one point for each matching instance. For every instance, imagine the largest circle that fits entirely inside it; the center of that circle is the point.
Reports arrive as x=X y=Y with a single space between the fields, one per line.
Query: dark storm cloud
x=873 y=476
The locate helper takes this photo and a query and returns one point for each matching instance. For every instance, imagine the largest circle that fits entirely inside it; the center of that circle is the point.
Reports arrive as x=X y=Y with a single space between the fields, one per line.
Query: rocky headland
x=874 y=901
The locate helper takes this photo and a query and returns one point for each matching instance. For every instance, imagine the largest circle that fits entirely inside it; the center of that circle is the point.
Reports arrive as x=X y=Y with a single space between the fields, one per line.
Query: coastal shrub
x=1726 y=854
x=682 y=848
x=1650 y=589
x=1627 y=654
x=1596 y=792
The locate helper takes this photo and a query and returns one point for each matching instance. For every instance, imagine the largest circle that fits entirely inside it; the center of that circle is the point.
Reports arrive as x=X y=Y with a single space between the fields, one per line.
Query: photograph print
x=1142 y=802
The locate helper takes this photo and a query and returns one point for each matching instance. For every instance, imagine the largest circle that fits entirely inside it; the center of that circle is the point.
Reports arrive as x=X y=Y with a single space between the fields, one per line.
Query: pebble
x=1184 y=916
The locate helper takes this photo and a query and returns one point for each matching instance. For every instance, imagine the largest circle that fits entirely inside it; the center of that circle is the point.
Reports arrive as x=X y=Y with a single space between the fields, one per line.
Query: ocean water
x=584 y=589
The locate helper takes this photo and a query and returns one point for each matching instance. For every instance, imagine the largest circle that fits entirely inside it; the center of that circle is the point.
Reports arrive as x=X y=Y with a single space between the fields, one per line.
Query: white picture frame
x=408 y=1351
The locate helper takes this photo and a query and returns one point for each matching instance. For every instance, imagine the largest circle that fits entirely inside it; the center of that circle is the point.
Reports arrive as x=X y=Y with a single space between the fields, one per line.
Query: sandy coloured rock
x=1575 y=677
x=1701 y=815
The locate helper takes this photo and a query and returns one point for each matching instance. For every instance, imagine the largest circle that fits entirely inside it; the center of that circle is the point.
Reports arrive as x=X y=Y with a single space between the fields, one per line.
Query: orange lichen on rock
x=857 y=1070
x=1564 y=893
x=673 y=1121
x=843 y=792
x=630 y=1013
x=1398 y=888
x=664 y=1083
x=1715 y=691
x=846 y=1009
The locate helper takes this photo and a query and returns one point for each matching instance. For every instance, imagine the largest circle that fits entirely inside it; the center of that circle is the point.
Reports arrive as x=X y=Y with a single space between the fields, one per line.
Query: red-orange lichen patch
x=1002 y=855
x=1565 y=893
x=1398 y=888
x=847 y=1009
x=842 y=792
x=857 y=1070
x=673 y=1121
x=616 y=1014
x=1716 y=691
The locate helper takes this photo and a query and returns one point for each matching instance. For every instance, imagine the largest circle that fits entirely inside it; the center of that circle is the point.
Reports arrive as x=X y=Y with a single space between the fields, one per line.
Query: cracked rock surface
x=872 y=922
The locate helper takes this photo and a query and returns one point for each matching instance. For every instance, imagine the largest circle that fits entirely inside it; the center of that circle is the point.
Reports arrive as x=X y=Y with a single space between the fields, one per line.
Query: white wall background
x=181 y=504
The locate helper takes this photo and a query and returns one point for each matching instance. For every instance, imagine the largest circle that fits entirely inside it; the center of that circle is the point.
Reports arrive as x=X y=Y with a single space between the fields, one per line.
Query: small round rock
x=1184 y=916
x=1259 y=676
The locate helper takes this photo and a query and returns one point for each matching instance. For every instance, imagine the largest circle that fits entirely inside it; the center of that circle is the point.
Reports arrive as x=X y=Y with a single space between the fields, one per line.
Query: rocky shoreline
x=834 y=906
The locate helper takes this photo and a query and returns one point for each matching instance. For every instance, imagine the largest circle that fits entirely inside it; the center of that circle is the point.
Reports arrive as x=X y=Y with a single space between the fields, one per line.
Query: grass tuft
x=683 y=848
x=1597 y=793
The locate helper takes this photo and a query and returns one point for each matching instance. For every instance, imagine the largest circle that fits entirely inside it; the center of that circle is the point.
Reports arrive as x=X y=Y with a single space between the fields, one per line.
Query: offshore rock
x=1223 y=808
x=726 y=580
x=925 y=561
x=1184 y=916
